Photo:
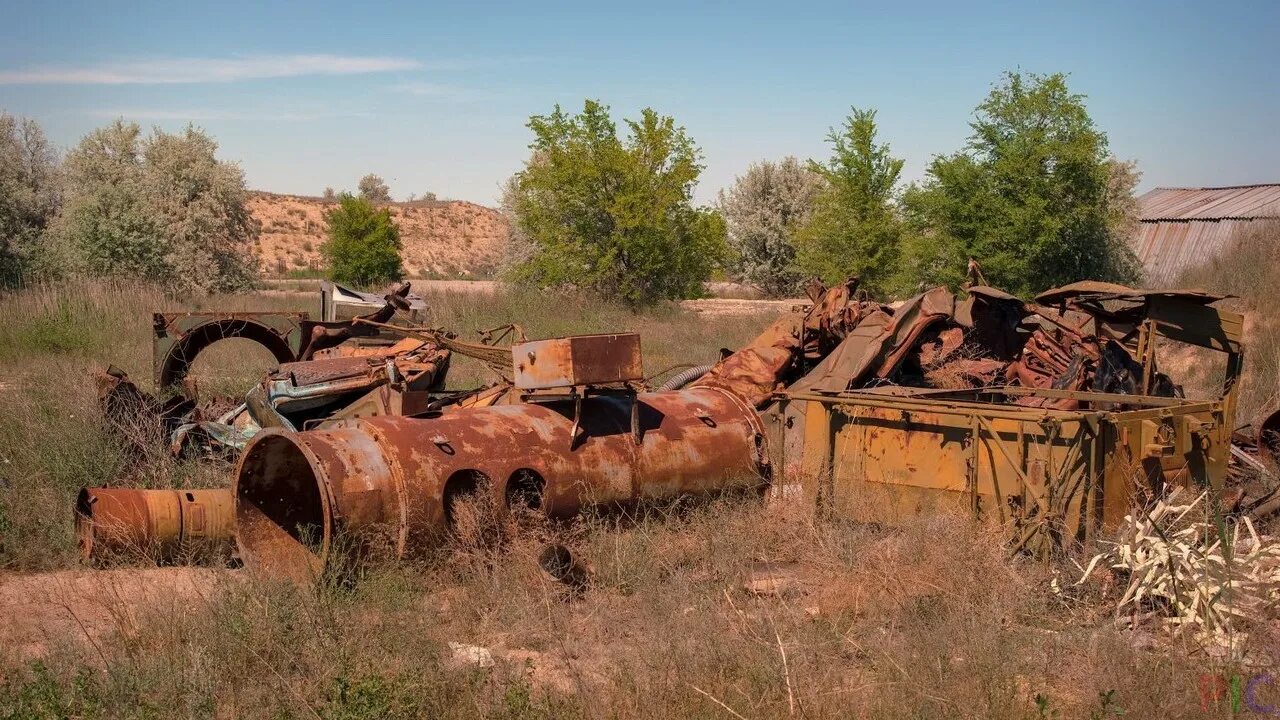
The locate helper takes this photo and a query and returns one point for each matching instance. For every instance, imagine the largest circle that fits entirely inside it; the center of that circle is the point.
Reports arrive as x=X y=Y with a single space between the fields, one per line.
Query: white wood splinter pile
x=1177 y=564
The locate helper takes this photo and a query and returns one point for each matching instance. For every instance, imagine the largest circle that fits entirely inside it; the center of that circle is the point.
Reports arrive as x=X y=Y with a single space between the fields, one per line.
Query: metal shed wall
x=1181 y=228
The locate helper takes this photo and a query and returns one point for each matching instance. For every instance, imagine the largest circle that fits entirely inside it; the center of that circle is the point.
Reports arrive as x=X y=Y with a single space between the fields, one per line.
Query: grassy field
x=932 y=620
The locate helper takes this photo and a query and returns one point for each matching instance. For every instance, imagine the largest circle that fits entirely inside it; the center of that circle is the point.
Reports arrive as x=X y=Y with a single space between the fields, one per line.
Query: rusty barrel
x=155 y=523
x=397 y=478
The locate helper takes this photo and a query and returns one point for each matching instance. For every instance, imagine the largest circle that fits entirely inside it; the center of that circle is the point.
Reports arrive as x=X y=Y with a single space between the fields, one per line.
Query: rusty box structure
x=578 y=361
x=1008 y=453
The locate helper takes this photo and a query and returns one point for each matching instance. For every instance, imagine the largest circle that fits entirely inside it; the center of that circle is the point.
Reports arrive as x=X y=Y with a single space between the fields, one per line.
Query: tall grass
x=1250 y=270
x=930 y=621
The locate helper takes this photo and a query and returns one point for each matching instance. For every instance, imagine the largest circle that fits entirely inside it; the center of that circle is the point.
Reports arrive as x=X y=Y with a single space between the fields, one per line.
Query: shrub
x=762 y=211
x=364 y=244
x=373 y=189
x=595 y=211
x=161 y=208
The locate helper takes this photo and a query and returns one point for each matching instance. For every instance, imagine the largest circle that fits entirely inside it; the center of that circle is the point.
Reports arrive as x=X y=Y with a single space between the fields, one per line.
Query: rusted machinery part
x=560 y=564
x=324 y=335
x=152 y=523
x=1268 y=435
x=684 y=377
x=389 y=485
x=174 y=365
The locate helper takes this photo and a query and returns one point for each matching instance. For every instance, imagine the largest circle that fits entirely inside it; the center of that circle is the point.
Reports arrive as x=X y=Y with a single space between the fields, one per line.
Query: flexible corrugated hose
x=684 y=377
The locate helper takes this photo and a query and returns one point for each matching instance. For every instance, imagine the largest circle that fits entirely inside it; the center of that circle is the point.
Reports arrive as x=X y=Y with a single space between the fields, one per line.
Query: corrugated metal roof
x=1243 y=202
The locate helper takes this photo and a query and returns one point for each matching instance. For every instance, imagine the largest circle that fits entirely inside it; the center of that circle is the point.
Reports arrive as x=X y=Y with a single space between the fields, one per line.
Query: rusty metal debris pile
x=1082 y=337
x=1053 y=415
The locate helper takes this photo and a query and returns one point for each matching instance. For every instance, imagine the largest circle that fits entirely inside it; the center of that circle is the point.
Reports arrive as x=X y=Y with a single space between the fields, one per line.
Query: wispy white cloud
x=215 y=114
x=439 y=91
x=426 y=89
x=163 y=71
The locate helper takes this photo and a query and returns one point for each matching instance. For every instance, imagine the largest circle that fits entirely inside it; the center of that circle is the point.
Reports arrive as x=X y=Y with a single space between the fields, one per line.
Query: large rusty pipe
x=396 y=478
x=155 y=523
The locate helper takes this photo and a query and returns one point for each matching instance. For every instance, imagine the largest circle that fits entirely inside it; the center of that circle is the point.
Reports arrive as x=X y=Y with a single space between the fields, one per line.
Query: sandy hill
x=442 y=238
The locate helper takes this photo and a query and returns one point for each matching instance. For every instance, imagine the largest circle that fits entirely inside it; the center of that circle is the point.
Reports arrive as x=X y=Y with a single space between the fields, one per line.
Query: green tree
x=854 y=229
x=28 y=195
x=1029 y=196
x=762 y=212
x=592 y=210
x=161 y=208
x=364 y=243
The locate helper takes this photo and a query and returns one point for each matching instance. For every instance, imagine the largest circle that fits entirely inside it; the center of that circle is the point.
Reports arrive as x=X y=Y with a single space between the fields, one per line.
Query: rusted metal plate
x=1056 y=475
x=576 y=361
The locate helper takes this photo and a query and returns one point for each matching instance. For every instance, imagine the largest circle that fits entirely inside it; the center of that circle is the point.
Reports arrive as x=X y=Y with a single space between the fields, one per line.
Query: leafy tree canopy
x=28 y=194
x=762 y=212
x=363 y=247
x=854 y=229
x=615 y=215
x=1027 y=197
x=163 y=208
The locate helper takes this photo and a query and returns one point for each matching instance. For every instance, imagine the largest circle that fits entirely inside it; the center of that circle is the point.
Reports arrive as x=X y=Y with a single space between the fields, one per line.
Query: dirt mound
x=441 y=238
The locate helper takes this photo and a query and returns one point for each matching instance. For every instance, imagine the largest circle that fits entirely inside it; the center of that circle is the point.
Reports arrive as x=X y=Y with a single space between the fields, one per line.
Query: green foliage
x=762 y=211
x=364 y=243
x=854 y=230
x=28 y=195
x=38 y=693
x=58 y=331
x=594 y=211
x=1028 y=197
x=373 y=697
x=161 y=208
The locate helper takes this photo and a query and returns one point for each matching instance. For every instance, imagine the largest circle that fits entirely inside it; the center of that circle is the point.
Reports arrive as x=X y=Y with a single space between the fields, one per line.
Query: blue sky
x=434 y=97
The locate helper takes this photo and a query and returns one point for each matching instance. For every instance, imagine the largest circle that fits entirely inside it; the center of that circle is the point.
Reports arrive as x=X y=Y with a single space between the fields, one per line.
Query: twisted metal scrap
x=1178 y=564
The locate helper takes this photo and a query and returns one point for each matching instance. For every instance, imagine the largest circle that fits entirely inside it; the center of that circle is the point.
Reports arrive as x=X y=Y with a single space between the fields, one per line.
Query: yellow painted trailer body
x=1058 y=476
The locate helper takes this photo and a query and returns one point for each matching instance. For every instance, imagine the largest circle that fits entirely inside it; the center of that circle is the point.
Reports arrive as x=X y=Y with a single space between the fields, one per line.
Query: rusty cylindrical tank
x=155 y=523
x=397 y=478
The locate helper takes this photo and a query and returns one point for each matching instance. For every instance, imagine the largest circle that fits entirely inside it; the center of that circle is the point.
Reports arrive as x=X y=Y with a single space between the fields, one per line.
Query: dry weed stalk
x=1183 y=561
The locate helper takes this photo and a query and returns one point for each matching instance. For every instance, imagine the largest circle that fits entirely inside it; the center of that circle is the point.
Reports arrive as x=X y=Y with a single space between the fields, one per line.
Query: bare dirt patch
x=46 y=611
x=733 y=306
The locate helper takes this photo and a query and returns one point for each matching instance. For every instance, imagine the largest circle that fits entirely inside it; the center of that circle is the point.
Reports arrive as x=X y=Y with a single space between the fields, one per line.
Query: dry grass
x=52 y=440
x=931 y=620
x=1250 y=270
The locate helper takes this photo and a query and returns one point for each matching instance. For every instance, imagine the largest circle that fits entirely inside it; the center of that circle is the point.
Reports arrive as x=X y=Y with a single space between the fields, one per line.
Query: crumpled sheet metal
x=932 y=340
x=879 y=344
x=779 y=355
x=320 y=388
x=756 y=371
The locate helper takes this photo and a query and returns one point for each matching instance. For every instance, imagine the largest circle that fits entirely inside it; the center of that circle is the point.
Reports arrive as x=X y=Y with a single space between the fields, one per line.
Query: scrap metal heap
x=1080 y=356
x=1053 y=411
x=1071 y=338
